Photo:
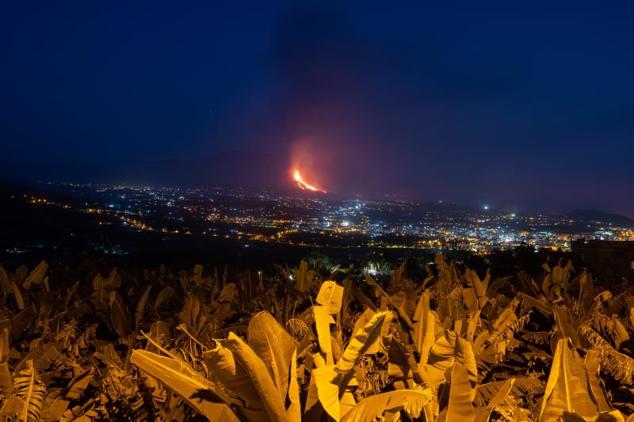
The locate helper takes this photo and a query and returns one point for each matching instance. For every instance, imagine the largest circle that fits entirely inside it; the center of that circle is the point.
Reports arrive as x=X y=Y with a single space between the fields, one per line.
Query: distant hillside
x=595 y=215
x=228 y=168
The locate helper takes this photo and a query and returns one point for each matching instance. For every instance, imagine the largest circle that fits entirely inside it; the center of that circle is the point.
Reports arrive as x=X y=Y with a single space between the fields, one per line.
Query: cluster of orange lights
x=304 y=185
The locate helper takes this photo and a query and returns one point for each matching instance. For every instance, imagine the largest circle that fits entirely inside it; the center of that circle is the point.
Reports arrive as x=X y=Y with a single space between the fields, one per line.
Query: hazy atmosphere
x=516 y=107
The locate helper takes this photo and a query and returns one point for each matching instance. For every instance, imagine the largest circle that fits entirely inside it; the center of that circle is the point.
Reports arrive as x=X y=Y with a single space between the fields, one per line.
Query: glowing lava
x=304 y=185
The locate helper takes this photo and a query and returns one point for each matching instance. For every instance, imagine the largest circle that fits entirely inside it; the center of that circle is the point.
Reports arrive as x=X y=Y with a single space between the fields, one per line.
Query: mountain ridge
x=599 y=215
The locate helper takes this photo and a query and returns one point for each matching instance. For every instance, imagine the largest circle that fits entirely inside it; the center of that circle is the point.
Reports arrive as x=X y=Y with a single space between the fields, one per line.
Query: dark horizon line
x=300 y=194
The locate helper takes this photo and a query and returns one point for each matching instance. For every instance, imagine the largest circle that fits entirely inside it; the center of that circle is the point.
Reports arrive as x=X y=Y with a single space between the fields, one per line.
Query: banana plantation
x=316 y=345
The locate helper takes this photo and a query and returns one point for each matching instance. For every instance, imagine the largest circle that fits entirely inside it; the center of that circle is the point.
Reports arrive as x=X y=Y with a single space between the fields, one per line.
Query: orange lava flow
x=303 y=185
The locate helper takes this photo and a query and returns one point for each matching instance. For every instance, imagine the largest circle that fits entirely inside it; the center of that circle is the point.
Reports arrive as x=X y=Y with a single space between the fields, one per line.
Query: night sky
x=524 y=107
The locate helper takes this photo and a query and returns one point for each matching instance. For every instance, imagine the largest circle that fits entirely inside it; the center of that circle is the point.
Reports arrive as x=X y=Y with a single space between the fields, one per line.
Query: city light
x=274 y=218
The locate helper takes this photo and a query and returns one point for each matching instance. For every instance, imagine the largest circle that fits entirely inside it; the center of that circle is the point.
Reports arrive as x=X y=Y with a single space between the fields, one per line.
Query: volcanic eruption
x=304 y=185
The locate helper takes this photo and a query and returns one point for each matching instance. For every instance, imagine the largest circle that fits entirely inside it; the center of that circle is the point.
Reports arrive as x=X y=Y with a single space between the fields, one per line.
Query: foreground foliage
x=456 y=345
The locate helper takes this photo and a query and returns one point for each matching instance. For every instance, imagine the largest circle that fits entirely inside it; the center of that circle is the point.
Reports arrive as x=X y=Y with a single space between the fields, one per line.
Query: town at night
x=313 y=220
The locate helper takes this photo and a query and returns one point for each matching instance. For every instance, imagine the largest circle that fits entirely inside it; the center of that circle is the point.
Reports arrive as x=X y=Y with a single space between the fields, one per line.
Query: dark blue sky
x=521 y=106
